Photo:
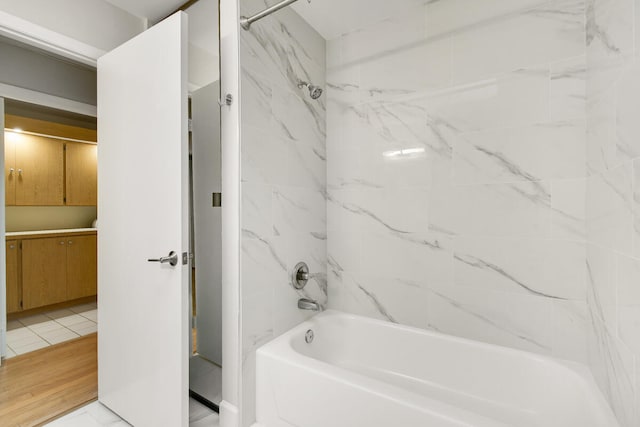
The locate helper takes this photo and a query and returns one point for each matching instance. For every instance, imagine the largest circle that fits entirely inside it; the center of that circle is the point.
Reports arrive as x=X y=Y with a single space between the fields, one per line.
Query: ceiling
x=154 y=10
x=332 y=18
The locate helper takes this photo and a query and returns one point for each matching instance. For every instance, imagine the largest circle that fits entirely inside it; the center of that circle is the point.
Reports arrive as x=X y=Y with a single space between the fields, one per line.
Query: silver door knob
x=172 y=259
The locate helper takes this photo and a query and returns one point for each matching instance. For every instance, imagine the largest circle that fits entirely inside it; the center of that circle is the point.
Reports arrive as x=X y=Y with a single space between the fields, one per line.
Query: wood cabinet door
x=40 y=171
x=10 y=168
x=44 y=271
x=82 y=266
x=82 y=174
x=13 y=288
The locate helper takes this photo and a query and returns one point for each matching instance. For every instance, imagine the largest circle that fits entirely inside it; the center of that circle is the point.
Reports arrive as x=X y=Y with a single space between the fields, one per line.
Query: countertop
x=45 y=232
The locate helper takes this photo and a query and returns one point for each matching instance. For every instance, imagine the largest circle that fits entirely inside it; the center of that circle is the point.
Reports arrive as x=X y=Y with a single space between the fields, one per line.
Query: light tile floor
x=42 y=330
x=205 y=378
x=97 y=415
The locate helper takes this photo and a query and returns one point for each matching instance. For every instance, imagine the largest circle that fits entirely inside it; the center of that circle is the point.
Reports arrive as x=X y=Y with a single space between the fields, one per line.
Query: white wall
x=207 y=177
x=94 y=22
x=204 y=61
x=29 y=218
x=27 y=68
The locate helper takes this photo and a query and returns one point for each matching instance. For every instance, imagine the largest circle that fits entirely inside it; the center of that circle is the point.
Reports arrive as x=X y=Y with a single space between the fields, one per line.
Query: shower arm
x=245 y=22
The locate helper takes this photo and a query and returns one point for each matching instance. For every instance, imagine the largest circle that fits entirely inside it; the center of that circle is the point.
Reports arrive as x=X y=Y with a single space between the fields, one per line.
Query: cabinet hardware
x=70 y=242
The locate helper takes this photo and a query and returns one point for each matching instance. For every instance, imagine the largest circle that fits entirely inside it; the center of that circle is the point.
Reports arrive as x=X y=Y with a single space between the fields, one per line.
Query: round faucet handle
x=300 y=275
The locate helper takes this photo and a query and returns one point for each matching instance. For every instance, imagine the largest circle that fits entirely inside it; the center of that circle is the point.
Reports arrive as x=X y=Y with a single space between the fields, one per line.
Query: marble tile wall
x=474 y=172
x=283 y=174
x=456 y=172
x=613 y=196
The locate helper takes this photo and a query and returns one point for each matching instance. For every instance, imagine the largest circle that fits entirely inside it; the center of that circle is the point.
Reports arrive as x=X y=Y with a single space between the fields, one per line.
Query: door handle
x=172 y=259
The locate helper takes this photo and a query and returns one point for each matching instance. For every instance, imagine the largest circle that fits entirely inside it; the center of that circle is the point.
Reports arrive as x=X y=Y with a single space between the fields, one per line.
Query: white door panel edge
x=143 y=324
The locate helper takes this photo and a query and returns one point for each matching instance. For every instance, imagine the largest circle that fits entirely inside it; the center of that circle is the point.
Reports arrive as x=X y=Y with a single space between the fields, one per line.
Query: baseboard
x=229 y=415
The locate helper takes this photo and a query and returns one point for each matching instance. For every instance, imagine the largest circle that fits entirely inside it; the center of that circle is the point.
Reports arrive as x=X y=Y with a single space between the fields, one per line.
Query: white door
x=143 y=214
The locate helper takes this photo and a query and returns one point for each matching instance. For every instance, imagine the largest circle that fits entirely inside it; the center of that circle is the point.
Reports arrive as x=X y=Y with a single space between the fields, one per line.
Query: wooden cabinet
x=14 y=300
x=43 y=270
x=49 y=171
x=34 y=168
x=81 y=174
x=82 y=266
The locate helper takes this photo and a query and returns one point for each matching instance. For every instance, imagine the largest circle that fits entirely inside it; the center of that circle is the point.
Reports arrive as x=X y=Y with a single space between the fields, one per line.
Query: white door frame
x=3 y=263
x=51 y=41
x=231 y=225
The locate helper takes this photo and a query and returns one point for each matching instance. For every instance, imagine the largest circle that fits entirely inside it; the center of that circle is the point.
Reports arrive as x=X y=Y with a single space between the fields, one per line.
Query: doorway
x=50 y=221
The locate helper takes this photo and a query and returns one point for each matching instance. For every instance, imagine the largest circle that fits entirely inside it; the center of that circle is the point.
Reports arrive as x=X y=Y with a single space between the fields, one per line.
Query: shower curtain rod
x=246 y=22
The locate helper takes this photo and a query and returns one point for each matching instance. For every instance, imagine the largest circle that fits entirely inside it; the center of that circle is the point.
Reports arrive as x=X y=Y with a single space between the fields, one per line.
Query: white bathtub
x=363 y=372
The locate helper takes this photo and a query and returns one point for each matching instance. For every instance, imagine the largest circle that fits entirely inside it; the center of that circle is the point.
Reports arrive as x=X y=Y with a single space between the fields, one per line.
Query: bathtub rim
x=281 y=348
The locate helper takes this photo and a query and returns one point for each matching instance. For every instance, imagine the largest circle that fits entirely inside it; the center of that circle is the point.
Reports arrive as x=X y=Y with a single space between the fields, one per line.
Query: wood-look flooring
x=45 y=384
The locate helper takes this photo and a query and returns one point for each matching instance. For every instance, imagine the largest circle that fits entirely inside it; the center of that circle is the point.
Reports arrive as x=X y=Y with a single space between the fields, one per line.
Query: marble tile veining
x=284 y=179
x=471 y=168
x=482 y=143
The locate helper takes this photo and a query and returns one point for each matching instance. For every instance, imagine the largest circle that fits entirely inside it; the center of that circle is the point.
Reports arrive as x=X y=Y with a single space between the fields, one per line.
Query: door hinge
x=190 y=125
x=217 y=200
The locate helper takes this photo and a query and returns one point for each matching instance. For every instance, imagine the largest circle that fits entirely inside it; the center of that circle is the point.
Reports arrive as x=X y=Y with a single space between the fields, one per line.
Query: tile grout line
x=49 y=343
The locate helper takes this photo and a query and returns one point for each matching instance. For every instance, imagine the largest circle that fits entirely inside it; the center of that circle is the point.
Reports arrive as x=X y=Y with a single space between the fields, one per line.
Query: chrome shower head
x=314 y=91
